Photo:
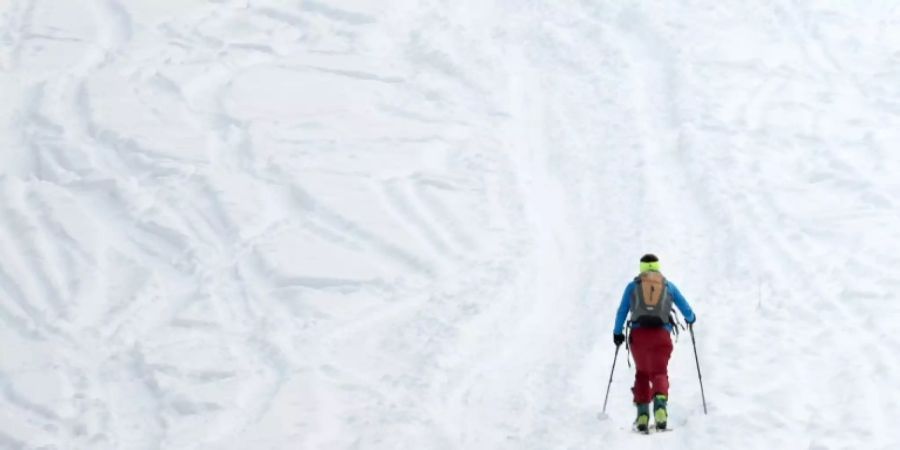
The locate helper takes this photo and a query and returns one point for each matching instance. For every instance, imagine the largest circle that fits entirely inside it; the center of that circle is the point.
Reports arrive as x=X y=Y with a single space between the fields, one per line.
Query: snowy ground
x=341 y=224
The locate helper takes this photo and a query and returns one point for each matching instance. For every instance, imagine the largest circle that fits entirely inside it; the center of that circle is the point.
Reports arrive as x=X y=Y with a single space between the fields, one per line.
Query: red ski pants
x=651 y=348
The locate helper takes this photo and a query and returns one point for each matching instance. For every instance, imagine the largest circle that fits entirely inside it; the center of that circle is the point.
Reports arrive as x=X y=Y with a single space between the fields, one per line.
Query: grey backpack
x=652 y=303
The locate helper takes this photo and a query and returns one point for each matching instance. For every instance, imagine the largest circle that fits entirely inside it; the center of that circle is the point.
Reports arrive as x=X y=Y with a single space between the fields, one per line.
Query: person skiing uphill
x=649 y=299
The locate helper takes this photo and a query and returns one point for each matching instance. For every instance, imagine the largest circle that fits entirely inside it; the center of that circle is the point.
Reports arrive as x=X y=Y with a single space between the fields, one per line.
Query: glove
x=691 y=322
x=618 y=339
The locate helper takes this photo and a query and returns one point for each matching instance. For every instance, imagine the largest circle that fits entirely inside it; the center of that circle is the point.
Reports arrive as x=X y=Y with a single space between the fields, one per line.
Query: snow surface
x=323 y=224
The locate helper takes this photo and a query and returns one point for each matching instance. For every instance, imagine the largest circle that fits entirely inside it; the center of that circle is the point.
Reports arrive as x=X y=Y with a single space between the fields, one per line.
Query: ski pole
x=697 y=359
x=610 y=378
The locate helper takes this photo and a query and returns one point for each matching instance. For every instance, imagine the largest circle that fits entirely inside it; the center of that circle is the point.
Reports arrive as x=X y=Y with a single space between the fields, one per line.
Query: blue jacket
x=625 y=306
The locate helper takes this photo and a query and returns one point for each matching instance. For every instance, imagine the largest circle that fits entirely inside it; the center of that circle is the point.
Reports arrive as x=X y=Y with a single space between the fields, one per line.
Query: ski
x=651 y=430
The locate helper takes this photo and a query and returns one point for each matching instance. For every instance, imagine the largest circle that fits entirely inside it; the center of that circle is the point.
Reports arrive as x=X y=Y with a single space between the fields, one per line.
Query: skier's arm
x=682 y=304
x=622 y=313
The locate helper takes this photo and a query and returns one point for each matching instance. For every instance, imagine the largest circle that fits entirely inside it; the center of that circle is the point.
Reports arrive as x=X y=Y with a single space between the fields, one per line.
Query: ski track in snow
x=346 y=225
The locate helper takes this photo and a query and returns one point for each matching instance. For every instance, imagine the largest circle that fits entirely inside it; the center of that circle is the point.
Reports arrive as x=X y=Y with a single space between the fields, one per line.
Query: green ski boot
x=660 y=415
x=643 y=417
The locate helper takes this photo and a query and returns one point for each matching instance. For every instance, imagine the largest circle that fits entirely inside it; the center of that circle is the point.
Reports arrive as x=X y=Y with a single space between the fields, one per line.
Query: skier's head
x=649 y=262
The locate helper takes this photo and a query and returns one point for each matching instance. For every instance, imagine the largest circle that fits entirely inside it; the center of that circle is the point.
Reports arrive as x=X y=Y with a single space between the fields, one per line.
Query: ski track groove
x=662 y=162
x=332 y=220
x=399 y=197
x=453 y=226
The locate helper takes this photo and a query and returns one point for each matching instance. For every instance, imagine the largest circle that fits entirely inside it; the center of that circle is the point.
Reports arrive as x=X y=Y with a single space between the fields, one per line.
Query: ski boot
x=660 y=414
x=643 y=417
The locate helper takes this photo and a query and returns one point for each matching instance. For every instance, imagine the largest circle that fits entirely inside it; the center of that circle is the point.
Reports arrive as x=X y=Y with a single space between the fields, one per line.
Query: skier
x=649 y=299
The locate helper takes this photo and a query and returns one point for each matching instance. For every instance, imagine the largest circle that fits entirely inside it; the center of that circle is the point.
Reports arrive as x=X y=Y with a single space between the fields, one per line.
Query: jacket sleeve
x=624 y=306
x=682 y=304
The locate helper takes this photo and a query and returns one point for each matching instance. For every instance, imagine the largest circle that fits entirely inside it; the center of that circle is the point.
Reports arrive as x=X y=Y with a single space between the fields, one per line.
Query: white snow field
x=336 y=224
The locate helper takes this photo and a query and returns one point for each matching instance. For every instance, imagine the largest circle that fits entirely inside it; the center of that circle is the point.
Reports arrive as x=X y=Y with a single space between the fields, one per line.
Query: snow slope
x=266 y=224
